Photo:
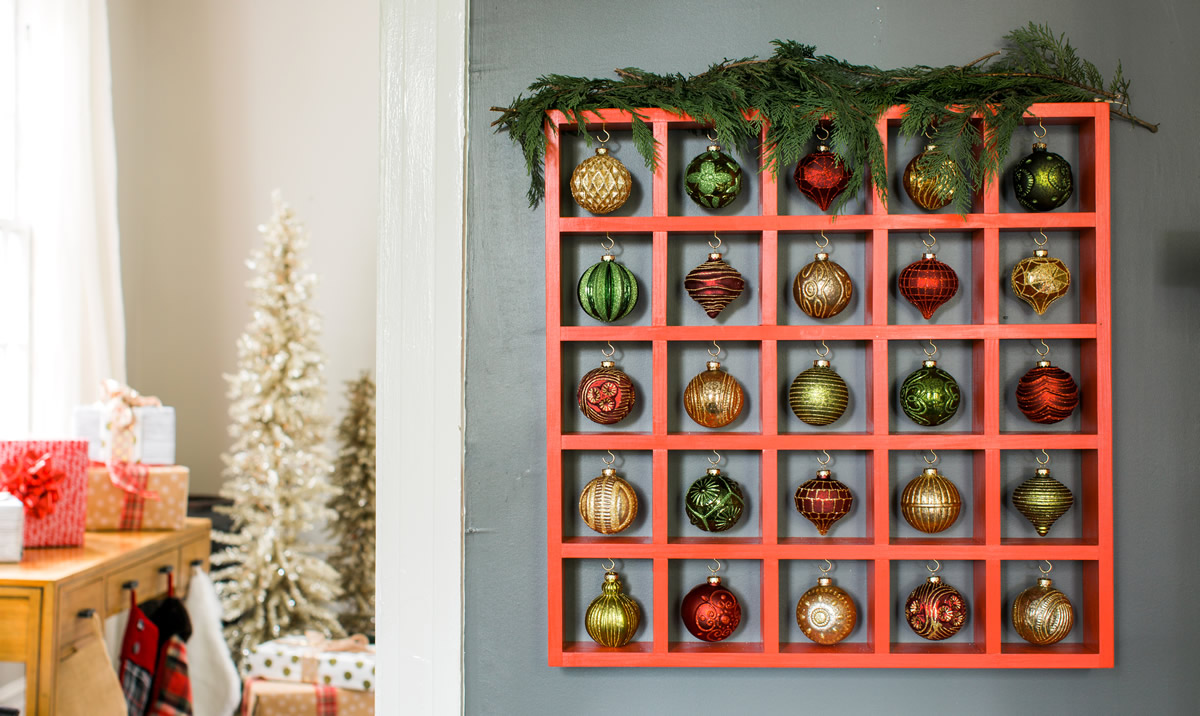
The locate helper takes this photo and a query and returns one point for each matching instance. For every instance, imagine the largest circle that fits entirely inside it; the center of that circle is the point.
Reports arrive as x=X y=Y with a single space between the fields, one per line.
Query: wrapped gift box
x=343 y=663
x=12 y=528
x=287 y=698
x=153 y=433
x=50 y=478
x=110 y=507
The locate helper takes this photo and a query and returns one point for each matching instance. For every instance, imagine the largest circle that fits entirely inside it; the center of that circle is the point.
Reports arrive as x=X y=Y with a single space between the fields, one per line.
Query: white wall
x=216 y=103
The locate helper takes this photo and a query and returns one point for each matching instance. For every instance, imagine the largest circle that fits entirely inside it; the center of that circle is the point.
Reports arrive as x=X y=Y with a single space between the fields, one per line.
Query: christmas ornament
x=1042 y=499
x=608 y=291
x=1047 y=394
x=823 y=500
x=713 y=398
x=710 y=611
x=1042 y=180
x=714 y=284
x=613 y=617
x=927 y=283
x=929 y=395
x=822 y=288
x=1042 y=615
x=713 y=179
x=935 y=610
x=821 y=176
x=1040 y=280
x=608 y=504
x=714 y=502
x=924 y=187
x=930 y=502
x=825 y=613
x=819 y=396
x=606 y=394
x=601 y=184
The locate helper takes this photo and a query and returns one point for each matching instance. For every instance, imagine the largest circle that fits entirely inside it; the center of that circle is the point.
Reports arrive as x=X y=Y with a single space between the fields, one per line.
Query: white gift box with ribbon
x=12 y=528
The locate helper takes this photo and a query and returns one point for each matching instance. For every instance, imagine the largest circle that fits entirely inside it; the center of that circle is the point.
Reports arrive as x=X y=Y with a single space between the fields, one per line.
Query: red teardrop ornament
x=824 y=500
x=927 y=284
x=714 y=284
x=821 y=177
x=1047 y=394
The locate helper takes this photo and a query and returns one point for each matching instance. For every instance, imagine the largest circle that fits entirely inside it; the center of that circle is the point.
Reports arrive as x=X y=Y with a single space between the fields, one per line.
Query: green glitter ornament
x=608 y=291
x=713 y=179
x=819 y=396
x=929 y=395
x=1042 y=180
x=613 y=617
x=714 y=503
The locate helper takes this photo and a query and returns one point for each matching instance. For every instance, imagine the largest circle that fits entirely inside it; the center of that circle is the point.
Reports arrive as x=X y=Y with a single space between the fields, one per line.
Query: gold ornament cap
x=713 y=365
x=929 y=255
x=608 y=257
x=824 y=473
x=1042 y=472
x=824 y=581
x=929 y=363
x=714 y=580
x=714 y=147
x=715 y=256
x=1045 y=582
x=714 y=471
x=821 y=256
x=610 y=576
x=933 y=578
x=930 y=471
x=608 y=472
x=820 y=363
x=607 y=364
x=601 y=150
x=1039 y=146
x=1041 y=253
x=1043 y=364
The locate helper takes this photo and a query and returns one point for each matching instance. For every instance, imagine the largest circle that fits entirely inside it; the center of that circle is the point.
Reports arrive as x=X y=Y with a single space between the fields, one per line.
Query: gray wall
x=1156 y=252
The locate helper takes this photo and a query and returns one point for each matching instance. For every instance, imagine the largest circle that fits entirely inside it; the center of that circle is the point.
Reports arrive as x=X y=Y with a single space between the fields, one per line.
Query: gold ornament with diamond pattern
x=601 y=184
x=1040 y=280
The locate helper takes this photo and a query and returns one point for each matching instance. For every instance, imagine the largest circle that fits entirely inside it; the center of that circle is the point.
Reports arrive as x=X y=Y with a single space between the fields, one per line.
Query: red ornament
x=1047 y=394
x=821 y=176
x=714 y=284
x=927 y=284
x=824 y=500
x=606 y=394
x=710 y=612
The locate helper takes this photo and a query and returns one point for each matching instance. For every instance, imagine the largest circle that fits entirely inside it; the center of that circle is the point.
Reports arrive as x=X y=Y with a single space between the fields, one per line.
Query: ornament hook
x=827 y=568
x=611 y=351
x=1040 y=351
x=927 y=460
x=1045 y=239
x=718 y=567
x=611 y=565
x=937 y=566
x=1049 y=567
x=717 y=461
x=821 y=128
x=607 y=136
x=611 y=242
x=718 y=245
x=929 y=244
x=716 y=346
x=708 y=133
x=819 y=353
x=819 y=244
x=826 y=460
x=611 y=458
x=1041 y=461
x=1041 y=127
x=928 y=131
x=931 y=345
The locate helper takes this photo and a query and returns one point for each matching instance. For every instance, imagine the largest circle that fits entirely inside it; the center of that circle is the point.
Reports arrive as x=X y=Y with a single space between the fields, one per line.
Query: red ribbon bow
x=30 y=478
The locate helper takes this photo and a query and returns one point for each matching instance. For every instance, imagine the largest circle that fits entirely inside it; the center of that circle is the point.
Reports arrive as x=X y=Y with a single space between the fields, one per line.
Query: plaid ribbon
x=120 y=400
x=326 y=700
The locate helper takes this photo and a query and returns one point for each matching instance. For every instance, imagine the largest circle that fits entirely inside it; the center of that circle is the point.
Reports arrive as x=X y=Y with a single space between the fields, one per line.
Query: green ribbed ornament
x=929 y=395
x=1042 y=180
x=613 y=617
x=713 y=179
x=714 y=503
x=608 y=291
x=1042 y=500
x=819 y=396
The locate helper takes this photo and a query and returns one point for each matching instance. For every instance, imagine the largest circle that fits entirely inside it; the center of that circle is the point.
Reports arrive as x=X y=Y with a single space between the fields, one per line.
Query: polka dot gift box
x=342 y=663
x=161 y=505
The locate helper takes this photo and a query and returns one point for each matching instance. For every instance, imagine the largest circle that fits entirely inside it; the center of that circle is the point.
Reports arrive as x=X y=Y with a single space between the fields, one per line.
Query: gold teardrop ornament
x=1040 y=280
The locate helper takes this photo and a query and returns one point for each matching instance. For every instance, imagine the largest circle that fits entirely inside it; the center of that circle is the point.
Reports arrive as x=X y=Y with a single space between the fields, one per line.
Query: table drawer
x=74 y=599
x=151 y=580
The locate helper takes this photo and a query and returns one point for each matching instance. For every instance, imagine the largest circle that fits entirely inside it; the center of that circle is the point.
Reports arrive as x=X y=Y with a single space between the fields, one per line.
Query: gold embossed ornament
x=713 y=398
x=826 y=613
x=1043 y=615
x=1041 y=279
x=608 y=503
x=822 y=289
x=613 y=617
x=930 y=502
x=601 y=183
x=928 y=187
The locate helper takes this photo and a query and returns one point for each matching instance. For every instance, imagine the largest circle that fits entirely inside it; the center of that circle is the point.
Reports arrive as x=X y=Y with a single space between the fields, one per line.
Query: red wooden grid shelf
x=985 y=551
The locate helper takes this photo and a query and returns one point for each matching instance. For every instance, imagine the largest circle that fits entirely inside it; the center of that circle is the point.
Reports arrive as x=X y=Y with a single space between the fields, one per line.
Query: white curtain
x=67 y=193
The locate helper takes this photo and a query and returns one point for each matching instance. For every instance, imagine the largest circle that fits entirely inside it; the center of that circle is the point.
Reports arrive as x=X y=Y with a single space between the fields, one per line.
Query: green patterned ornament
x=1042 y=180
x=714 y=503
x=929 y=395
x=713 y=179
x=608 y=291
x=819 y=396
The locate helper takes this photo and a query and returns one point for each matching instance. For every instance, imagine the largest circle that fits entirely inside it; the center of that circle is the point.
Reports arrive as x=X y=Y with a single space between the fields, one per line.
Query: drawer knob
x=196 y=563
x=86 y=613
x=166 y=569
x=131 y=584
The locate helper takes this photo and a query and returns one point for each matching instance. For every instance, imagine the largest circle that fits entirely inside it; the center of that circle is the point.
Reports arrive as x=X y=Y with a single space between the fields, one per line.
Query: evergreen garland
x=795 y=88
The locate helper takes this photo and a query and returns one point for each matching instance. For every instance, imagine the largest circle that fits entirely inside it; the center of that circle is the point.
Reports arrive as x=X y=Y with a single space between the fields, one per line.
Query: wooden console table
x=43 y=598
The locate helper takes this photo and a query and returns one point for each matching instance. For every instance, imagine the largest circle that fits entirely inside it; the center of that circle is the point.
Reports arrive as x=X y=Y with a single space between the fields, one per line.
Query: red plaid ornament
x=927 y=284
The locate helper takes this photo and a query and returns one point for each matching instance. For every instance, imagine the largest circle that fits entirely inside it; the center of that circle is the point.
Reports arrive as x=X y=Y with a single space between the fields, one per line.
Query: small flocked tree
x=277 y=472
x=354 y=528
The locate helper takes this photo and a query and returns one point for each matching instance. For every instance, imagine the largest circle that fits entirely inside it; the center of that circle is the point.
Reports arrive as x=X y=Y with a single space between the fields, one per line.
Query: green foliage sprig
x=795 y=89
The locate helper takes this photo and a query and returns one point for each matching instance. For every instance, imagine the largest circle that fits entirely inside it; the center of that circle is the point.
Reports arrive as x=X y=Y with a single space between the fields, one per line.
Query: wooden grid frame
x=987 y=550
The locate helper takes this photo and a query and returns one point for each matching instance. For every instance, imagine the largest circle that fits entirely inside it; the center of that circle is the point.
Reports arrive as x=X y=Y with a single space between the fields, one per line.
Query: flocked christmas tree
x=354 y=528
x=277 y=472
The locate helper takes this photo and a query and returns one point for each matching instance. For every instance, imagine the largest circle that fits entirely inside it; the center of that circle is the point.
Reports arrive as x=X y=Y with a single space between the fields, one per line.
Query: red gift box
x=50 y=478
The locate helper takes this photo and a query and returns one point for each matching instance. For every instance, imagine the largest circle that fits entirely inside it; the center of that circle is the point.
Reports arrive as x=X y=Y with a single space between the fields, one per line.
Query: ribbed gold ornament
x=822 y=289
x=1042 y=500
x=608 y=504
x=713 y=398
x=923 y=187
x=1043 y=615
x=613 y=617
x=1040 y=280
x=825 y=613
x=930 y=502
x=819 y=396
x=601 y=184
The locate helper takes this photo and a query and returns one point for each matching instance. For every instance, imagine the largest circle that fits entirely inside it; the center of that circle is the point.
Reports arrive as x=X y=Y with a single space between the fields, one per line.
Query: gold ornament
x=1042 y=500
x=923 y=187
x=1043 y=615
x=930 y=502
x=822 y=289
x=713 y=398
x=601 y=184
x=1040 y=280
x=608 y=504
x=613 y=617
x=825 y=613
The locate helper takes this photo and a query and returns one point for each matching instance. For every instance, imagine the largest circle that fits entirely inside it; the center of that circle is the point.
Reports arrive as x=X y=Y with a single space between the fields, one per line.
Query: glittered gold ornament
x=613 y=617
x=1040 y=280
x=935 y=610
x=1042 y=615
x=1042 y=500
x=608 y=503
x=924 y=187
x=713 y=398
x=930 y=502
x=822 y=289
x=826 y=613
x=601 y=184
x=818 y=396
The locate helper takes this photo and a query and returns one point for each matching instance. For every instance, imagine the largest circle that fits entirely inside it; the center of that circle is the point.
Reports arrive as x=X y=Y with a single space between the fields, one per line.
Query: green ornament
x=713 y=179
x=929 y=395
x=1042 y=180
x=613 y=617
x=608 y=291
x=818 y=396
x=714 y=503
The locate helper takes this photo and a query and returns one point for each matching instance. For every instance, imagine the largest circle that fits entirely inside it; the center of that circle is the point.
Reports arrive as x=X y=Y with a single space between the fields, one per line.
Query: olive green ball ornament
x=613 y=617
x=608 y=291
x=1042 y=180
x=714 y=503
x=929 y=395
x=819 y=396
x=713 y=179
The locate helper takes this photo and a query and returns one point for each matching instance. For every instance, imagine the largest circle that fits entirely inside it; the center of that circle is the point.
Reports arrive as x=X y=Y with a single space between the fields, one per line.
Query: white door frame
x=419 y=357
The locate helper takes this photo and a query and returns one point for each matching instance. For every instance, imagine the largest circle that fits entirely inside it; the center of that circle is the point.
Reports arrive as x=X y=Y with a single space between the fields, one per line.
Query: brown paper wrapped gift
x=289 y=698
x=162 y=506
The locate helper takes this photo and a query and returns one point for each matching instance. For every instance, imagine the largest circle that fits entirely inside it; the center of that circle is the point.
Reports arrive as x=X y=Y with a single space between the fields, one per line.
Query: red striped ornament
x=714 y=284
x=1047 y=394
x=927 y=284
